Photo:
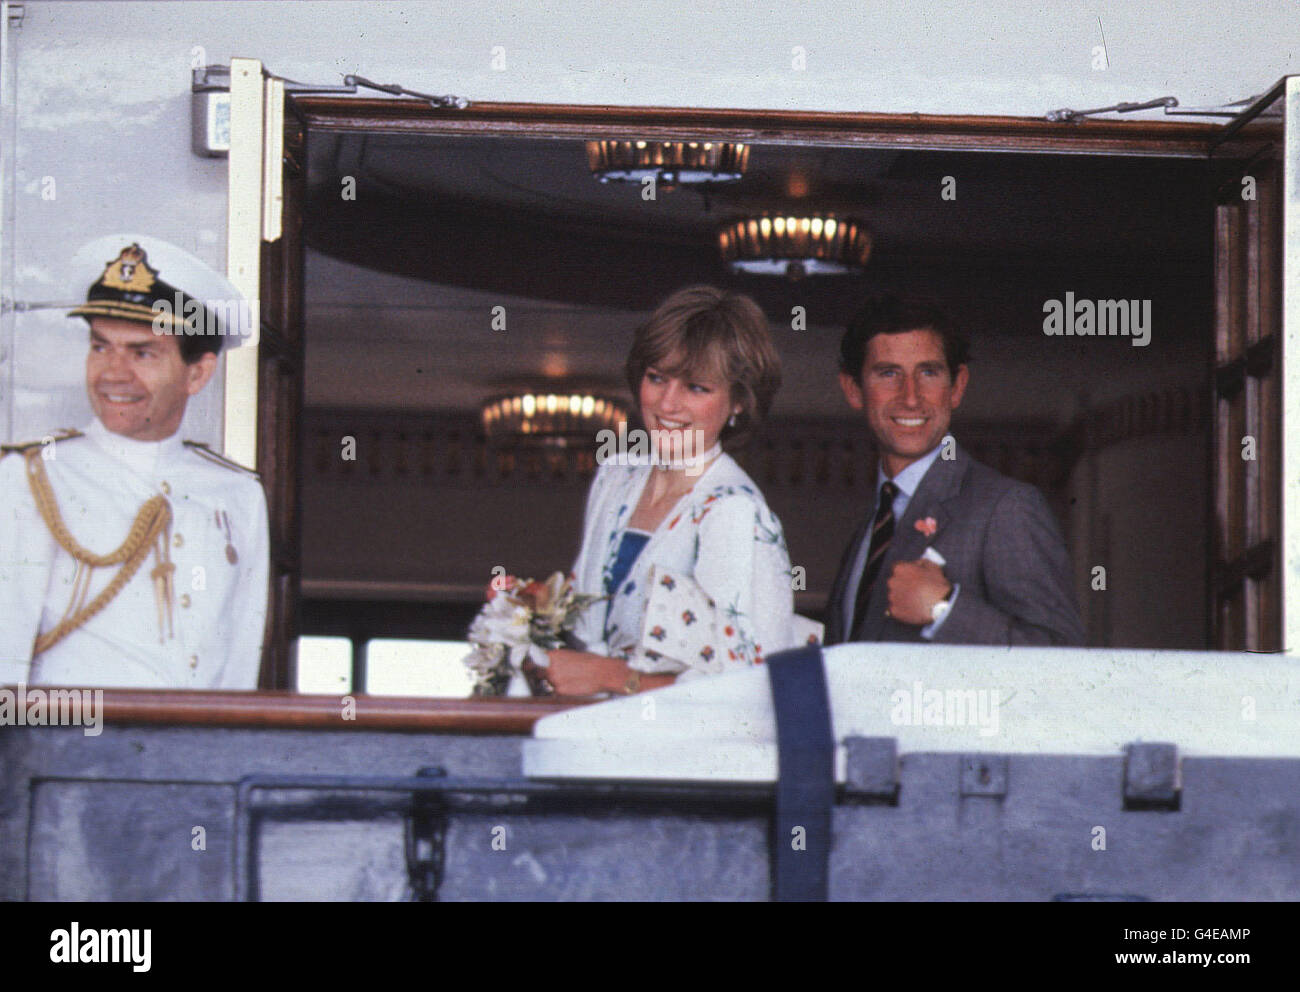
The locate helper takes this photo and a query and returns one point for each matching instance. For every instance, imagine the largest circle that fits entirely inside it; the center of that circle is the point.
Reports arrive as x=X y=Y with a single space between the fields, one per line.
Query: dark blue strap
x=805 y=790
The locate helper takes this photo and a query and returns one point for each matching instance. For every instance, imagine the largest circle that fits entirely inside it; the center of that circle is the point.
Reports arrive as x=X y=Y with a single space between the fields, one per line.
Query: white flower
x=521 y=623
x=482 y=660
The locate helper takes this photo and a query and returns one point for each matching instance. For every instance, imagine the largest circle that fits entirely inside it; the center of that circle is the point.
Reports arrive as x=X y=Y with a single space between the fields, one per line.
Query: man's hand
x=914 y=588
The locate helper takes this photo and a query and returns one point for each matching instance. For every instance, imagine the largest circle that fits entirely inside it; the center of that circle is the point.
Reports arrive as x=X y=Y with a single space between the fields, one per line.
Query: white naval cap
x=143 y=278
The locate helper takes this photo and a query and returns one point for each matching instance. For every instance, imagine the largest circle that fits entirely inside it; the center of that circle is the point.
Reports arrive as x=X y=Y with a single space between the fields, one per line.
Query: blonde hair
x=703 y=331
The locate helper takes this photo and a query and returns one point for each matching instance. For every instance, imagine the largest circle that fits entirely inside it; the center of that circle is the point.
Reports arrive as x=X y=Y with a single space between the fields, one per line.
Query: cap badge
x=130 y=271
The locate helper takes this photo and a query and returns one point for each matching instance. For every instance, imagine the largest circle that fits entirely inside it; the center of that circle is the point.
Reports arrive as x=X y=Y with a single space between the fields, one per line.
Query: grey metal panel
x=111 y=818
x=624 y=856
x=226 y=754
x=347 y=861
x=101 y=814
x=1235 y=837
x=15 y=771
x=95 y=841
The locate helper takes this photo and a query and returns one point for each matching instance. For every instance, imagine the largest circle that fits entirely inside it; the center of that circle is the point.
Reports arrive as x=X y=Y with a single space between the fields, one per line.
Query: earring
x=732 y=421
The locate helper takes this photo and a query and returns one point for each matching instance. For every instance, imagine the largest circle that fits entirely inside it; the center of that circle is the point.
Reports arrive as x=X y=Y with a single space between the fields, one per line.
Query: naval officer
x=128 y=556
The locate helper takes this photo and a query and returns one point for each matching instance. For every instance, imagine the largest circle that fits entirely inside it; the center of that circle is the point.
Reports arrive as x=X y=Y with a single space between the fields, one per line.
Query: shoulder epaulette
x=201 y=449
x=66 y=434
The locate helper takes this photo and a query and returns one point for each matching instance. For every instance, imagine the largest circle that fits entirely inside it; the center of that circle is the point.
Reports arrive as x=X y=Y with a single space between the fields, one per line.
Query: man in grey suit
x=951 y=550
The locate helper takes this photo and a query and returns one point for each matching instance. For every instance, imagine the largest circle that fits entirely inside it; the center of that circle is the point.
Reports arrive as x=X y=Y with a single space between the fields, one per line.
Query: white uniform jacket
x=100 y=480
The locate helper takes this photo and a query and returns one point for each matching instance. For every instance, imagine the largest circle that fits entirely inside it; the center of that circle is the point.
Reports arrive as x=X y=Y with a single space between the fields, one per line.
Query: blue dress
x=628 y=549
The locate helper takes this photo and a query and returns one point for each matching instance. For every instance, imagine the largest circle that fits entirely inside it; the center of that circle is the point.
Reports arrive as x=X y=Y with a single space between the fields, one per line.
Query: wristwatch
x=940 y=609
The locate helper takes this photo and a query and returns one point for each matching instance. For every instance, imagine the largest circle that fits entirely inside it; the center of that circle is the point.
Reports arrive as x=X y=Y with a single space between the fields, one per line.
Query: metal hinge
x=426 y=839
x=1222 y=110
x=1065 y=114
x=1169 y=103
x=217 y=77
x=459 y=103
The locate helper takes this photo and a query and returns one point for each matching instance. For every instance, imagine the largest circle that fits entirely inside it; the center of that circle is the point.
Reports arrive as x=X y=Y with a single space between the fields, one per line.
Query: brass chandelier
x=549 y=419
x=795 y=246
x=672 y=163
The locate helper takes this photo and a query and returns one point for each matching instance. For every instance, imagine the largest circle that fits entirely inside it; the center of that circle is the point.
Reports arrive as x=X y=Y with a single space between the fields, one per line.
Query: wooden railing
x=795 y=454
x=311 y=712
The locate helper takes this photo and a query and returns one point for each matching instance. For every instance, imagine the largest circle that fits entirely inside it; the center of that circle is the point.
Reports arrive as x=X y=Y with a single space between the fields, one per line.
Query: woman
x=703 y=372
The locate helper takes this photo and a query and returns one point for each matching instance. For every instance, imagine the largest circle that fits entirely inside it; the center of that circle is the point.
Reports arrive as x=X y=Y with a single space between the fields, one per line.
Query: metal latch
x=426 y=837
x=1152 y=779
x=871 y=768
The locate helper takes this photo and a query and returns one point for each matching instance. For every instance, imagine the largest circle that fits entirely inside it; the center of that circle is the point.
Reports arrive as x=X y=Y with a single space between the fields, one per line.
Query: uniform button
x=185 y=600
x=167 y=490
x=177 y=541
x=194 y=661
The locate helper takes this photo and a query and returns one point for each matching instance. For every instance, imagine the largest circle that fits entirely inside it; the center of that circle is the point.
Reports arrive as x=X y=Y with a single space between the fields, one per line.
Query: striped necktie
x=882 y=530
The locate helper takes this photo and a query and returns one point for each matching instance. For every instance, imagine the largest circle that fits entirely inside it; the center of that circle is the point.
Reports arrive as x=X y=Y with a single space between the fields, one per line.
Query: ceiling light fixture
x=672 y=163
x=549 y=419
x=795 y=246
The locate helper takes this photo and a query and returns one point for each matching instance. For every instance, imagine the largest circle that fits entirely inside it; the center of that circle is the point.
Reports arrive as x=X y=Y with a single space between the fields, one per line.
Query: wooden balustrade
x=320 y=712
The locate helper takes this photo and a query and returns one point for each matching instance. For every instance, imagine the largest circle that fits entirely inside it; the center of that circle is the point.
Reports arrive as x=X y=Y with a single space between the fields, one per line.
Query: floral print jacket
x=721 y=533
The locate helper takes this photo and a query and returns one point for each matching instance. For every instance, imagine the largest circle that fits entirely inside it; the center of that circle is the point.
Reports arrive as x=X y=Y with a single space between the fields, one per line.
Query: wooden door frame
x=901 y=132
x=1261 y=526
x=904 y=132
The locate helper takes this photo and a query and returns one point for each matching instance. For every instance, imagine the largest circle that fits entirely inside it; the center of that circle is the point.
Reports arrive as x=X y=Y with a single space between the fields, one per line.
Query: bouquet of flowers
x=522 y=620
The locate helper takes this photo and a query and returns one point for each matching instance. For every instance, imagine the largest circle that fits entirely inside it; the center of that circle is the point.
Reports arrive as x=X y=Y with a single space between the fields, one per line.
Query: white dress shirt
x=213 y=639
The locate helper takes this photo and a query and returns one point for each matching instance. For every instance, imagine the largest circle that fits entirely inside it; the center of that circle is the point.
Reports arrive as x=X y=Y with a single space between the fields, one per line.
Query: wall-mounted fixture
x=795 y=246
x=672 y=163
x=210 y=111
x=210 y=103
x=549 y=419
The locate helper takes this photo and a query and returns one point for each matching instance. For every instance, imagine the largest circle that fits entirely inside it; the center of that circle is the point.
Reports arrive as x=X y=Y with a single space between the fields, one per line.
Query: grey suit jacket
x=1001 y=543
